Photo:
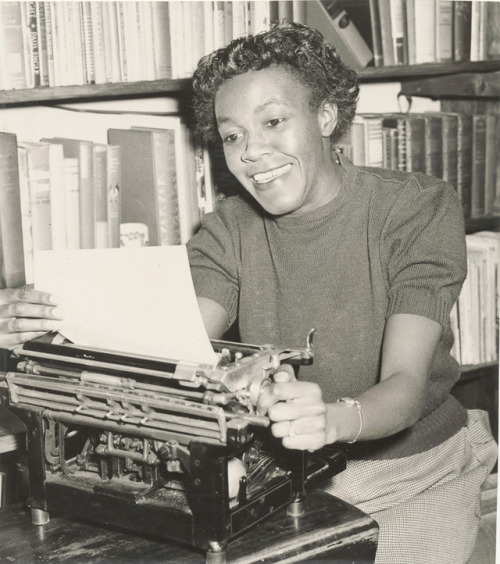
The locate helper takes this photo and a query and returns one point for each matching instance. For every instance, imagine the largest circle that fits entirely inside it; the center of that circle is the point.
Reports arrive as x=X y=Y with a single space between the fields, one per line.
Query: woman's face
x=277 y=148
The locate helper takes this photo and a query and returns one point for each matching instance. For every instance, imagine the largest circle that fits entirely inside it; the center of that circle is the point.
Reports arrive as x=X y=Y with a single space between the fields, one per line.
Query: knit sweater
x=389 y=242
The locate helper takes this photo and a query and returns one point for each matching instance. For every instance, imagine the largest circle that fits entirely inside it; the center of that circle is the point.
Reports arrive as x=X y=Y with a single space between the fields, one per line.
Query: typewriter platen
x=166 y=448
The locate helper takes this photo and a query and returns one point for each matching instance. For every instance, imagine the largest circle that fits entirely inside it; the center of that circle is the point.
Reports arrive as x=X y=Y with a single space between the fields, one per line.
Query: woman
x=373 y=259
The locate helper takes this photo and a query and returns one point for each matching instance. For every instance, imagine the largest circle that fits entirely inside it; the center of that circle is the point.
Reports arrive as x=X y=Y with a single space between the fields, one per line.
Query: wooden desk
x=330 y=531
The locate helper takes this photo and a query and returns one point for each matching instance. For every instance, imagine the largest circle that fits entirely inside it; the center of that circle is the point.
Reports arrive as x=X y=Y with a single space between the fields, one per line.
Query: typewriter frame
x=205 y=517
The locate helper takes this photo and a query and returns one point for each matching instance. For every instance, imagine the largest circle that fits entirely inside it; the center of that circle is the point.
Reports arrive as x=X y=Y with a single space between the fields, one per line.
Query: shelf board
x=473 y=372
x=486 y=223
x=399 y=73
x=86 y=92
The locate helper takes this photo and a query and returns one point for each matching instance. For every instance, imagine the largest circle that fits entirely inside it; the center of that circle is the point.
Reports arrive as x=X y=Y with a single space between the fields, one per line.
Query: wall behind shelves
x=31 y=123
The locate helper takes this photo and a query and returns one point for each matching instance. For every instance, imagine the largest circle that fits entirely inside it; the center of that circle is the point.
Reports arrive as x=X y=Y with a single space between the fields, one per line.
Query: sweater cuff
x=214 y=286
x=420 y=301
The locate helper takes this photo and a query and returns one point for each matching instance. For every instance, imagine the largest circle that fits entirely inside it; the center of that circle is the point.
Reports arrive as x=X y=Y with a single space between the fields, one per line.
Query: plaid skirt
x=426 y=505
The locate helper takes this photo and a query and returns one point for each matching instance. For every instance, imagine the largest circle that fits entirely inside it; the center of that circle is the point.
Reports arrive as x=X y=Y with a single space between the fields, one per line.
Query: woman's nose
x=256 y=147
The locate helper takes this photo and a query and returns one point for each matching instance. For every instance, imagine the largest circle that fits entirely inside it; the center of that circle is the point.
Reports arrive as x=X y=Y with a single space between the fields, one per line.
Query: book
x=39 y=194
x=491 y=158
x=49 y=36
x=464 y=162
x=299 y=11
x=399 y=34
x=57 y=196
x=378 y=59
x=425 y=25
x=72 y=202
x=449 y=141
x=83 y=151
x=34 y=49
x=24 y=200
x=41 y=27
x=384 y=7
x=492 y=31
x=146 y=40
x=444 y=30
x=12 y=57
x=339 y=30
x=100 y=169
x=161 y=40
x=101 y=65
x=114 y=183
x=166 y=185
x=462 y=14
x=433 y=142
x=415 y=143
x=111 y=41
x=260 y=16
x=12 y=273
x=366 y=140
x=139 y=200
x=478 y=164
x=411 y=32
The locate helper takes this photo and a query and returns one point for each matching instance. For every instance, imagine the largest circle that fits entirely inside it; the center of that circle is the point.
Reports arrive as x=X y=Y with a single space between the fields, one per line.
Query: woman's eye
x=275 y=122
x=231 y=138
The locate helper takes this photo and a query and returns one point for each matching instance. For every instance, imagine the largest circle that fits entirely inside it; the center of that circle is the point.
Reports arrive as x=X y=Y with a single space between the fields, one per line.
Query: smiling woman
x=373 y=259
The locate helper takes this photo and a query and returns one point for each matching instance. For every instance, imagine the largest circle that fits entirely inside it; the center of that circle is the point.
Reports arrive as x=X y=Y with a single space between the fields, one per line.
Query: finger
x=24 y=309
x=266 y=399
x=310 y=442
x=9 y=341
x=27 y=294
x=285 y=373
x=289 y=410
x=295 y=389
x=304 y=425
x=25 y=324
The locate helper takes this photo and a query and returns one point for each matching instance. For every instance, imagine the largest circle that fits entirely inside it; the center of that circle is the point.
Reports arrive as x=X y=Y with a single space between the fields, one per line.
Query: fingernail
x=57 y=312
x=53 y=299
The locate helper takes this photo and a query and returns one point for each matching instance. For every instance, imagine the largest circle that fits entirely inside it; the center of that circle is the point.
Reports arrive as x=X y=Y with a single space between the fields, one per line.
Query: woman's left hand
x=297 y=412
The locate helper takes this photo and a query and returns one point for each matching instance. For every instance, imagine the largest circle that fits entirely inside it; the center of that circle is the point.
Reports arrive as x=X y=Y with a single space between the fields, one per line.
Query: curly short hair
x=302 y=50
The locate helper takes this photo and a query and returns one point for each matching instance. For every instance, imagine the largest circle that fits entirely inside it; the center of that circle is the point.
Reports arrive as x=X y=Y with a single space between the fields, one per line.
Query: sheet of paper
x=135 y=300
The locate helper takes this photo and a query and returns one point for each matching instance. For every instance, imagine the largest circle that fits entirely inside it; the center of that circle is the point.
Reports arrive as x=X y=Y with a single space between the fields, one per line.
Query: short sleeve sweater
x=390 y=242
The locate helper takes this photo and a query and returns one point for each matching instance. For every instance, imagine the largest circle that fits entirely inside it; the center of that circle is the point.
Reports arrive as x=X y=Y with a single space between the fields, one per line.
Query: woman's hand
x=297 y=411
x=26 y=313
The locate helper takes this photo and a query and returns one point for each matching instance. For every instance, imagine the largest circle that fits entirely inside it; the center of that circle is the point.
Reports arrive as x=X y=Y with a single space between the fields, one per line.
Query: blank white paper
x=135 y=300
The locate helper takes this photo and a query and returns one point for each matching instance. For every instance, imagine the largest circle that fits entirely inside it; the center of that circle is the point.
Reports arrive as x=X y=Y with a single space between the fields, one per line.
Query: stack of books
x=475 y=315
x=60 y=193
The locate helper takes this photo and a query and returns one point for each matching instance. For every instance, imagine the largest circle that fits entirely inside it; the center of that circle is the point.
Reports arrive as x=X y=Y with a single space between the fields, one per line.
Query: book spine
x=26 y=224
x=42 y=43
x=376 y=33
x=490 y=164
x=101 y=61
x=100 y=157
x=161 y=40
x=112 y=42
x=87 y=42
x=147 y=49
x=26 y=45
x=34 y=45
x=72 y=199
x=478 y=164
x=39 y=188
x=12 y=56
x=399 y=35
x=450 y=155
x=444 y=30
x=11 y=234
x=114 y=182
x=166 y=188
x=384 y=7
x=461 y=30
x=57 y=196
x=86 y=179
x=425 y=26
x=49 y=26
x=464 y=158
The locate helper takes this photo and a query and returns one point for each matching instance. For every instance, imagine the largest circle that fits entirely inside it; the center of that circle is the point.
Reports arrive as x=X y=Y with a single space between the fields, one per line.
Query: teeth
x=271 y=175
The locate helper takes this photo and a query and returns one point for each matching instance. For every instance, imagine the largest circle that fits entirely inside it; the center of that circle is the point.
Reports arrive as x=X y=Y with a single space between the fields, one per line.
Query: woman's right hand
x=26 y=313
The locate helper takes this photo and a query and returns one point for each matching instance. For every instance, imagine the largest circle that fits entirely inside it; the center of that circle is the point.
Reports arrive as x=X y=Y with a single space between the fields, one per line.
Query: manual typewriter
x=162 y=447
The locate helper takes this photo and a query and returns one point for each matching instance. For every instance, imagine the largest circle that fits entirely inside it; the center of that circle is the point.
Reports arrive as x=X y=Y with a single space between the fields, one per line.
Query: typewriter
x=162 y=447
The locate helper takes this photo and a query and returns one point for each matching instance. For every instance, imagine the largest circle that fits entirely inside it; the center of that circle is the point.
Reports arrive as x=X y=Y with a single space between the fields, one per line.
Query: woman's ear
x=327 y=118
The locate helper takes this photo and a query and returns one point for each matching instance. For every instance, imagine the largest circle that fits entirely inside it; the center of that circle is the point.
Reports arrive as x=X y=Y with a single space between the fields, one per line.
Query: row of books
x=460 y=148
x=62 y=193
x=59 y=43
x=475 y=315
x=430 y=31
